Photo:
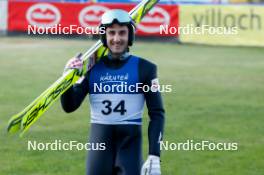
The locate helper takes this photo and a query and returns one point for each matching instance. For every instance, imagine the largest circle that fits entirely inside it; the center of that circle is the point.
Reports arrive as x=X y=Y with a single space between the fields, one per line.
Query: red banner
x=62 y=18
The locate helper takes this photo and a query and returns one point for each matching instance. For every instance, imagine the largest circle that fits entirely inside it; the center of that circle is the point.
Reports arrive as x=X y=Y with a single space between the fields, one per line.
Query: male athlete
x=116 y=115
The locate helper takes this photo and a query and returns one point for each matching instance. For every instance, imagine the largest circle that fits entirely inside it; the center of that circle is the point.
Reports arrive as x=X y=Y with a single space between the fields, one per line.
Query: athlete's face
x=117 y=38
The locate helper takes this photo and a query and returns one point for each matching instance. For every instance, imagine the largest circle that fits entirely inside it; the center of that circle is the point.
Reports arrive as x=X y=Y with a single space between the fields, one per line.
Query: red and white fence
x=21 y=15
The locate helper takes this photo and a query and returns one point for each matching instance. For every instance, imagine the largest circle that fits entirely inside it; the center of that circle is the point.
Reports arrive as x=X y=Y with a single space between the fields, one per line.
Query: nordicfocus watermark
x=198 y=30
x=59 y=145
x=191 y=145
x=124 y=87
x=124 y=83
x=57 y=29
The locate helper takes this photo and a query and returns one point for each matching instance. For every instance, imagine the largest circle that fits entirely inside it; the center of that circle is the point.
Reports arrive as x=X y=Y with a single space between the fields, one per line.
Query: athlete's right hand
x=74 y=63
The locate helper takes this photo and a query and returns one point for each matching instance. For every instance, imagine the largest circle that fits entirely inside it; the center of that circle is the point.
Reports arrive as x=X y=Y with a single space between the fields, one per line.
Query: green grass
x=217 y=96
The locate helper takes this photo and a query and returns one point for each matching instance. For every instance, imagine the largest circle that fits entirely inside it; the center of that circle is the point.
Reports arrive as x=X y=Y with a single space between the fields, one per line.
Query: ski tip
x=14 y=124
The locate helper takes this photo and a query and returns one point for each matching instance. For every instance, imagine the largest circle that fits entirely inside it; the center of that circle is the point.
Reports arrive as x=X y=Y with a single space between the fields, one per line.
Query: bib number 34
x=108 y=108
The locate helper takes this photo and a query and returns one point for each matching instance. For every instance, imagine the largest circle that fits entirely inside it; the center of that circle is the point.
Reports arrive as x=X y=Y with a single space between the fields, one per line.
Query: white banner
x=3 y=16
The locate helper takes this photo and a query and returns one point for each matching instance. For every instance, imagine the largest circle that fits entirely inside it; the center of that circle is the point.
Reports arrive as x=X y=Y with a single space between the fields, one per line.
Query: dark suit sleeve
x=156 y=112
x=75 y=95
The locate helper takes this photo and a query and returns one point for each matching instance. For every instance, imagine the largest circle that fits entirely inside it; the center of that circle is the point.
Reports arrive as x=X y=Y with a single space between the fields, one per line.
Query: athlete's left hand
x=151 y=166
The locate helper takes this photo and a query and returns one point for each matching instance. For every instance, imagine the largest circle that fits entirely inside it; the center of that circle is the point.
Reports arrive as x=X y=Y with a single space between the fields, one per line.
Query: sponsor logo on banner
x=152 y=21
x=43 y=15
x=91 y=16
